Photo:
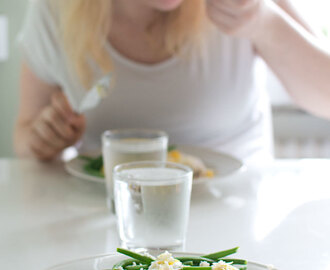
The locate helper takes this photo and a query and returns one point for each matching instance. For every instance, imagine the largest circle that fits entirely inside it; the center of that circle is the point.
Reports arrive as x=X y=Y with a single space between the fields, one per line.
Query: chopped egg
x=165 y=261
x=204 y=264
x=197 y=165
x=174 y=156
x=221 y=265
x=209 y=173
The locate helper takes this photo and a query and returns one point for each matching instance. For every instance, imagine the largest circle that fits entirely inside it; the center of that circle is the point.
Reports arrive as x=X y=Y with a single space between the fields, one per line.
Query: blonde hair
x=85 y=26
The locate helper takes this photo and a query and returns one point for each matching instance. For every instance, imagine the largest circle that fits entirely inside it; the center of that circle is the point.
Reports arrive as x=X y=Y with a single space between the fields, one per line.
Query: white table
x=278 y=215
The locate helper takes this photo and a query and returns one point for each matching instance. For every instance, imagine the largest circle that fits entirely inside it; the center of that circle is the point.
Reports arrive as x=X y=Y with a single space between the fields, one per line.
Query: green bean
x=194 y=259
x=97 y=163
x=190 y=263
x=235 y=261
x=137 y=256
x=243 y=268
x=124 y=263
x=137 y=267
x=88 y=169
x=220 y=254
x=171 y=148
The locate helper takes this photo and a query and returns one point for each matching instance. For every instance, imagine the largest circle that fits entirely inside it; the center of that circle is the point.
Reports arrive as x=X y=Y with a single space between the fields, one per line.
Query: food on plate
x=195 y=163
x=165 y=261
x=94 y=166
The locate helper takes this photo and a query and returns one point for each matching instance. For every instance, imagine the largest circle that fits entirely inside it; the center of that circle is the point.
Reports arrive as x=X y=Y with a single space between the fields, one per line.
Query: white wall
x=9 y=73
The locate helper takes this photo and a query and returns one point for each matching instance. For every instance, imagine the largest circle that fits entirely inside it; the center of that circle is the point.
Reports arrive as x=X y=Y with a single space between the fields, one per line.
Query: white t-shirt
x=211 y=101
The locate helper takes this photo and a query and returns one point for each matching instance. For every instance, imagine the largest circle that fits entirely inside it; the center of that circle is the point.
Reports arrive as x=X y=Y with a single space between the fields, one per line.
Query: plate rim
x=197 y=181
x=99 y=256
x=81 y=175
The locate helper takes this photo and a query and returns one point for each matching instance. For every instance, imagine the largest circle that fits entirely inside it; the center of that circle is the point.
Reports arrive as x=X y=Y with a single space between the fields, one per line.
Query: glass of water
x=127 y=145
x=152 y=204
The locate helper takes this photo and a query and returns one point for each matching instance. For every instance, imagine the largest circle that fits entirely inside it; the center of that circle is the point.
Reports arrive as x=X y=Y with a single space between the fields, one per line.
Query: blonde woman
x=184 y=66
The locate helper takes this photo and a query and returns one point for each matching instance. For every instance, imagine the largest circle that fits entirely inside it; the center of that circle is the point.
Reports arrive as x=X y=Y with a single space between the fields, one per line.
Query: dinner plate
x=222 y=164
x=105 y=262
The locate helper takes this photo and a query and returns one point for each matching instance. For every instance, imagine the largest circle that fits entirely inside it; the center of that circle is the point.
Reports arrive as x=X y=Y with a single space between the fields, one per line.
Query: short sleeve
x=39 y=41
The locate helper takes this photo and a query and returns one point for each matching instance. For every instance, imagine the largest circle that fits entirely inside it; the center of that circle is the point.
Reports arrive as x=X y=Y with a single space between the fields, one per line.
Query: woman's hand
x=56 y=128
x=239 y=18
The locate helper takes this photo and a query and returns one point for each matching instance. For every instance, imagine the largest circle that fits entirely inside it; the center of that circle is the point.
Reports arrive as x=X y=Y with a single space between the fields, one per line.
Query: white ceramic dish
x=105 y=262
x=222 y=164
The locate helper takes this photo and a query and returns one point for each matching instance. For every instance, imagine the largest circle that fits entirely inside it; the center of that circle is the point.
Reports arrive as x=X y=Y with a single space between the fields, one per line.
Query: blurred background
x=296 y=133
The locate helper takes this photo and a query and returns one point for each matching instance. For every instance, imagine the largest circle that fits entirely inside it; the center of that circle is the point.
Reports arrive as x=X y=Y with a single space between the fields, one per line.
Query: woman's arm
x=46 y=123
x=294 y=54
x=297 y=58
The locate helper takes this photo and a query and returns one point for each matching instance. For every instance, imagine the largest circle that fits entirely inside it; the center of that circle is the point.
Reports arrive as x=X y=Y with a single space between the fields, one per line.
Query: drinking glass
x=127 y=145
x=152 y=202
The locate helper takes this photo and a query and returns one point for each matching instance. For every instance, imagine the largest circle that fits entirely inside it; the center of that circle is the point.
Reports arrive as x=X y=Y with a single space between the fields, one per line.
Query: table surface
x=278 y=214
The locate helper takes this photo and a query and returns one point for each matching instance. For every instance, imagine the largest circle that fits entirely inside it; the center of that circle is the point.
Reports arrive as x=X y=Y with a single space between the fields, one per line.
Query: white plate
x=103 y=262
x=75 y=167
x=222 y=164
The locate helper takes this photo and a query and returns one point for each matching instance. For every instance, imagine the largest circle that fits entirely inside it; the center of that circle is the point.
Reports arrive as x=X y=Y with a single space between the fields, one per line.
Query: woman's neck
x=134 y=12
x=135 y=32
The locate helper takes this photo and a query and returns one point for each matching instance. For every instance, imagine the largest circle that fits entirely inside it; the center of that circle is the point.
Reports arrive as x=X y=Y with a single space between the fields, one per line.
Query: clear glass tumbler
x=152 y=204
x=128 y=145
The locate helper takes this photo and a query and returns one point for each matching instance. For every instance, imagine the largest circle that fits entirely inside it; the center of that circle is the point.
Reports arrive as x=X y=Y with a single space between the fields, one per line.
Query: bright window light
x=316 y=12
